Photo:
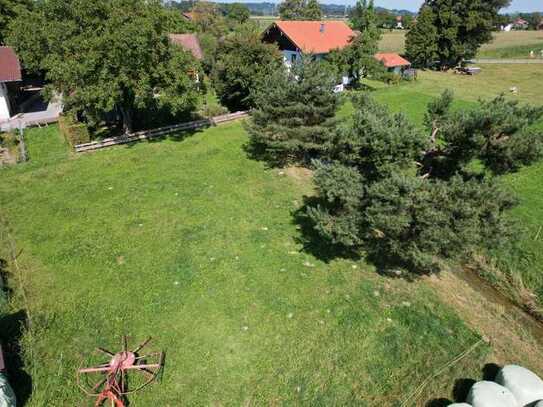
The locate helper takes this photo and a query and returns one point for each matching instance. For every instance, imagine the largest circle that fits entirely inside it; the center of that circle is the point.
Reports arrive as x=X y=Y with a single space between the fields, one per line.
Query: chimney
x=322 y=28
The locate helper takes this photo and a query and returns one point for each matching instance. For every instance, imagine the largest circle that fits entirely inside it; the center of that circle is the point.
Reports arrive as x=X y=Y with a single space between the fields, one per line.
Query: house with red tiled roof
x=10 y=75
x=189 y=42
x=316 y=38
x=393 y=62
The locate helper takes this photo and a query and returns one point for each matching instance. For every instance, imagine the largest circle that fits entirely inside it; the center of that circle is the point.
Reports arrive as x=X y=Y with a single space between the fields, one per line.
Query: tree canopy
x=9 y=9
x=237 y=12
x=300 y=10
x=243 y=60
x=422 y=40
x=107 y=56
x=454 y=30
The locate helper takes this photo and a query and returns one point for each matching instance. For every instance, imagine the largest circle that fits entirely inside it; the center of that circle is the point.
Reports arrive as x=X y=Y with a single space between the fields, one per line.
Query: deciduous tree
x=9 y=9
x=243 y=61
x=358 y=58
x=107 y=55
x=300 y=10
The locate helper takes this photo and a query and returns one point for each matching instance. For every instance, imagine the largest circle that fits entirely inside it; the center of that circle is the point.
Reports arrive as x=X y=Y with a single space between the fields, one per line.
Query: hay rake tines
x=109 y=381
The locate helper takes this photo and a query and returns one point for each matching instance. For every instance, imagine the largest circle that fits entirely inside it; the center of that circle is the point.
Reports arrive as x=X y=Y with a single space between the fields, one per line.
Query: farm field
x=514 y=44
x=190 y=241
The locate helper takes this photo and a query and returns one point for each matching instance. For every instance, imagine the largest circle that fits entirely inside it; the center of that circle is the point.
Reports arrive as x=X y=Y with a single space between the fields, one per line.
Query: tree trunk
x=126 y=115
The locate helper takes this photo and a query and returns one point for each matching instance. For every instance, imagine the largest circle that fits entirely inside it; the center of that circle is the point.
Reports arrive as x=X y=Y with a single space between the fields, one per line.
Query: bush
x=9 y=140
x=73 y=132
x=391 y=78
x=211 y=110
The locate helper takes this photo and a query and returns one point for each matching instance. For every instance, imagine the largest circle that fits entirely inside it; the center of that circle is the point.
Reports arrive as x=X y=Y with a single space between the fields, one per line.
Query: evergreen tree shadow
x=312 y=242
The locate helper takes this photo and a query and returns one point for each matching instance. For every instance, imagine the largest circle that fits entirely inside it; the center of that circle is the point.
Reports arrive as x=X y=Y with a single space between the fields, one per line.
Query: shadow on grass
x=177 y=137
x=12 y=327
x=463 y=386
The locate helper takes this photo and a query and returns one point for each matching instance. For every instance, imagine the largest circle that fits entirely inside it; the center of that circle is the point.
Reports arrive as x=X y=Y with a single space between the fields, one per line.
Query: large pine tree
x=410 y=200
x=294 y=117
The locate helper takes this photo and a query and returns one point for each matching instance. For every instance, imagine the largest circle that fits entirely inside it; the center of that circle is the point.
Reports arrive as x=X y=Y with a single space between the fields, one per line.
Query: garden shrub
x=73 y=132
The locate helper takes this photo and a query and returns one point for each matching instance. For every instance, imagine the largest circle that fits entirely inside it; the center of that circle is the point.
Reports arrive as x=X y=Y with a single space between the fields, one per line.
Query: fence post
x=22 y=145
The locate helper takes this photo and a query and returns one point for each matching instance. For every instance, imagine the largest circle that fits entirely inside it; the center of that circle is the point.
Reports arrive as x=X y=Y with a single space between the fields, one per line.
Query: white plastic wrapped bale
x=539 y=404
x=7 y=397
x=525 y=385
x=460 y=405
x=490 y=394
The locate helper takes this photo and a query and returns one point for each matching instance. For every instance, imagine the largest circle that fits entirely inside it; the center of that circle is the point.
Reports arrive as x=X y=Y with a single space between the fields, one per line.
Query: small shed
x=10 y=74
x=393 y=62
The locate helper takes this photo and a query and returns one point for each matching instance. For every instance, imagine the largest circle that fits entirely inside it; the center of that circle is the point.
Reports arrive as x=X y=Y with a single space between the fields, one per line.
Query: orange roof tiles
x=317 y=37
x=391 y=60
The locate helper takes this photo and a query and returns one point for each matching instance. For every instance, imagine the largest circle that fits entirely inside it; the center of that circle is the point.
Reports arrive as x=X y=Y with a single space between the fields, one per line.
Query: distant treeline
x=270 y=9
x=385 y=18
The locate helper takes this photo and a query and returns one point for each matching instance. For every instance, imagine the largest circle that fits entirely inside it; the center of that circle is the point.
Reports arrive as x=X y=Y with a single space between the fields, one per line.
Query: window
x=293 y=58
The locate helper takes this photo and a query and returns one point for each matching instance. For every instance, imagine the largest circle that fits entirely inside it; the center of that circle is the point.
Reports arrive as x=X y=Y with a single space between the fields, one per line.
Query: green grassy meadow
x=190 y=241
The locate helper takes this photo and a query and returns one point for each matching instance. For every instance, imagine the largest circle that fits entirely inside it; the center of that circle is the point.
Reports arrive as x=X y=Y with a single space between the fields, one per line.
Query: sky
x=413 y=5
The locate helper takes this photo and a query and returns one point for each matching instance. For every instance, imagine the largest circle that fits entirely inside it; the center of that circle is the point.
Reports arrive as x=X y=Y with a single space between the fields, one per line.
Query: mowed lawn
x=191 y=242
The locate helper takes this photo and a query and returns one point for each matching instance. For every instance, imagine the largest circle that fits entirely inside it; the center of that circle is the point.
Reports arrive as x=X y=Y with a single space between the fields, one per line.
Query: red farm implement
x=120 y=374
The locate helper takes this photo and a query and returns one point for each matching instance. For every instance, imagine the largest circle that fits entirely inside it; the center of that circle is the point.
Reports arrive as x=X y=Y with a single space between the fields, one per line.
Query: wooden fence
x=160 y=132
